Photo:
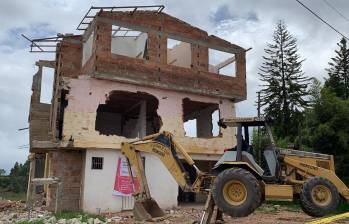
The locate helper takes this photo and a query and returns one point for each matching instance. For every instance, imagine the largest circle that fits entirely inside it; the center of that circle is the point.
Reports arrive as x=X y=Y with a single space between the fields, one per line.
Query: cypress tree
x=284 y=85
x=338 y=71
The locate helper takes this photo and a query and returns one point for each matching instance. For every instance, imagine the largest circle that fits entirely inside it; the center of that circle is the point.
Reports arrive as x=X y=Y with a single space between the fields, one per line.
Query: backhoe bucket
x=147 y=209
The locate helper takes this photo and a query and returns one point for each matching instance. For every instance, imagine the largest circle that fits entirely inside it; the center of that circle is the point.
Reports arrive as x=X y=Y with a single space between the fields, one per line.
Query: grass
x=9 y=195
x=342 y=208
x=13 y=196
x=275 y=206
x=80 y=215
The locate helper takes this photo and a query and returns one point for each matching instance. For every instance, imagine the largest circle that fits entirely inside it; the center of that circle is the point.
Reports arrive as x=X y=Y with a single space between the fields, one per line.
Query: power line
x=317 y=16
x=336 y=10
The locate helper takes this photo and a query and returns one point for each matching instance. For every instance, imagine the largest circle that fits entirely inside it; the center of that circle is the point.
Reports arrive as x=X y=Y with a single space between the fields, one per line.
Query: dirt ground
x=188 y=214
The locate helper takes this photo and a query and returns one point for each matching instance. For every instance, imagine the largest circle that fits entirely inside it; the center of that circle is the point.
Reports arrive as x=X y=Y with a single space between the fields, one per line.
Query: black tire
x=252 y=198
x=310 y=206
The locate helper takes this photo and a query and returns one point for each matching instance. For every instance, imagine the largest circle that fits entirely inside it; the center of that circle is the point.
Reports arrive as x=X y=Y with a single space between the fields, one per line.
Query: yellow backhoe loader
x=237 y=184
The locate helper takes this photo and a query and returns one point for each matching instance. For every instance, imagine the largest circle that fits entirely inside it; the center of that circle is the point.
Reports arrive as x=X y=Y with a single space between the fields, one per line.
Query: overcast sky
x=249 y=23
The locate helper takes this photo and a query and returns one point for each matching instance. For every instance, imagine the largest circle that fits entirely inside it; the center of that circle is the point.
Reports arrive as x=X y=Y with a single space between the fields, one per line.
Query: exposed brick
x=68 y=166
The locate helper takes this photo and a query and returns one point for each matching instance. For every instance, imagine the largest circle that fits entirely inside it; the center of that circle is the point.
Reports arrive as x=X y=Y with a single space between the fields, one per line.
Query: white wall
x=87 y=49
x=180 y=55
x=98 y=184
x=163 y=187
x=129 y=46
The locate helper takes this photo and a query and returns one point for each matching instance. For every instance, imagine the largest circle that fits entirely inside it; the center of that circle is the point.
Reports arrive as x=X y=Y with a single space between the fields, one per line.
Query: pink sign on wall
x=123 y=184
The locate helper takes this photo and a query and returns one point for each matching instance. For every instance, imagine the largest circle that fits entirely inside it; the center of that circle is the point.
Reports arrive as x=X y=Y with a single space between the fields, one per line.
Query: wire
x=336 y=10
x=317 y=16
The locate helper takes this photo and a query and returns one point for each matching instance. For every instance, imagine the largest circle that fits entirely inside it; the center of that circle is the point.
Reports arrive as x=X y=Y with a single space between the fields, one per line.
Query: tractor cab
x=245 y=153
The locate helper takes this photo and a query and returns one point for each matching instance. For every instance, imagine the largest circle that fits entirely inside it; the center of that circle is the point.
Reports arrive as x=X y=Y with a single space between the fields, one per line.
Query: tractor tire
x=236 y=192
x=319 y=197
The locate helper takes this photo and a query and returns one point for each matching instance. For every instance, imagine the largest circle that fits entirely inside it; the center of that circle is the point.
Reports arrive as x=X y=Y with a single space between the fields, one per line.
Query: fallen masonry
x=188 y=214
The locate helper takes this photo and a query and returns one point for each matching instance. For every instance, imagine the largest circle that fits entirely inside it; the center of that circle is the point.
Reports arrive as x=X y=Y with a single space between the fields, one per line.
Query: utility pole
x=258 y=128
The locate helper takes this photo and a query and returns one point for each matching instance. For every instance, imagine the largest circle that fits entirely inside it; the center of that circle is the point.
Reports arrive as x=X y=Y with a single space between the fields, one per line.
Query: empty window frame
x=178 y=53
x=128 y=114
x=97 y=163
x=200 y=119
x=128 y=42
x=46 y=91
x=87 y=48
x=222 y=63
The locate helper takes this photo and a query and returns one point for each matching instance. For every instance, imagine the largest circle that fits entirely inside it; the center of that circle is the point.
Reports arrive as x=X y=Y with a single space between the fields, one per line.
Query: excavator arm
x=167 y=150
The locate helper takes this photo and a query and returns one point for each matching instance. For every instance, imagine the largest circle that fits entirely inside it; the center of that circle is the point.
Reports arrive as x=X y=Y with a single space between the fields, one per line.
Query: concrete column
x=31 y=187
x=204 y=124
x=140 y=129
x=36 y=86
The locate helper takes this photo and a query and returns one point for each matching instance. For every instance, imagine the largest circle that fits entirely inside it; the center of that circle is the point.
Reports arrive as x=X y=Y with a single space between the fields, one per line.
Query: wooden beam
x=222 y=64
x=46 y=63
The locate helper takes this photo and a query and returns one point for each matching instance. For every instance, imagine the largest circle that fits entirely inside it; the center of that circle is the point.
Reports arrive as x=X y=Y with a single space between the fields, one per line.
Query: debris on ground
x=7 y=204
x=14 y=212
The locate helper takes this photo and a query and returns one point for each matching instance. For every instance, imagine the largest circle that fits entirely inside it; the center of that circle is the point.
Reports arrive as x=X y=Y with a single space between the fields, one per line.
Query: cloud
x=249 y=23
x=221 y=14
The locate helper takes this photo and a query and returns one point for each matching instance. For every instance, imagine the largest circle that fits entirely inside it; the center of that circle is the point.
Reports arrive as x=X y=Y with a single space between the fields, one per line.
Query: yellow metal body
x=235 y=192
x=149 y=145
x=280 y=192
x=331 y=219
x=306 y=168
x=295 y=168
x=166 y=149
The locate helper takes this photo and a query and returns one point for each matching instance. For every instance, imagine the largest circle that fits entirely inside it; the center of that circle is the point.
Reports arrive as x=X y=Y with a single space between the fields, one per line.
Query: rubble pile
x=6 y=205
x=14 y=212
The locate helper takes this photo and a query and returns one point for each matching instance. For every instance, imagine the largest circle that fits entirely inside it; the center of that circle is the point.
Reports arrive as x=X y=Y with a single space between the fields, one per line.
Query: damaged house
x=132 y=72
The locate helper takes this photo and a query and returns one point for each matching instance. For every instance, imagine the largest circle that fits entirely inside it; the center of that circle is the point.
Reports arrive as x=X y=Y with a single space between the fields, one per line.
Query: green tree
x=314 y=92
x=338 y=71
x=15 y=170
x=2 y=172
x=327 y=129
x=18 y=179
x=284 y=87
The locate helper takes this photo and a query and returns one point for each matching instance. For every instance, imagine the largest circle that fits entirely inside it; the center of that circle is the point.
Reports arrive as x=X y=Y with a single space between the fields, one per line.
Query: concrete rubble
x=14 y=212
x=268 y=213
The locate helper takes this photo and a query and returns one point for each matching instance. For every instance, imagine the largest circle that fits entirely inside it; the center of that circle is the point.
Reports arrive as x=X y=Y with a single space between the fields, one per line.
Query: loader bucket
x=147 y=209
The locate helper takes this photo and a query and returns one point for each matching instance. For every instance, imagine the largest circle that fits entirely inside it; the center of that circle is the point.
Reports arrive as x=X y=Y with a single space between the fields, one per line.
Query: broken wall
x=68 y=167
x=154 y=70
x=87 y=94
